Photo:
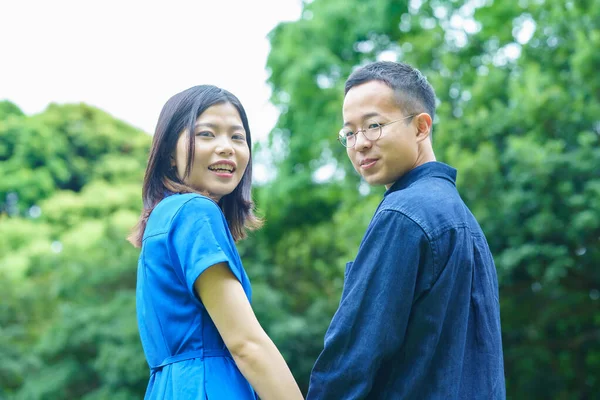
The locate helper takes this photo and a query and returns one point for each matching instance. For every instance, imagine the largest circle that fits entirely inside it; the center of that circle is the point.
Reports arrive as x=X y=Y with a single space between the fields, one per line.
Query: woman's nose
x=224 y=147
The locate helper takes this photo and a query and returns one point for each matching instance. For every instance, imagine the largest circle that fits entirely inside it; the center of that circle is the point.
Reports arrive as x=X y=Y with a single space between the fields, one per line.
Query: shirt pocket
x=348 y=266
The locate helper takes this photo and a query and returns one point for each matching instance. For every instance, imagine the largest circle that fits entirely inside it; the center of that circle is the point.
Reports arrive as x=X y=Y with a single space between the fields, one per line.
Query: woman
x=199 y=333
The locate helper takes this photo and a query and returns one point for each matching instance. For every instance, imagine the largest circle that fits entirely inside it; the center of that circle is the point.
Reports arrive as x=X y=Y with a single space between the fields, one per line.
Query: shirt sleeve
x=198 y=239
x=370 y=323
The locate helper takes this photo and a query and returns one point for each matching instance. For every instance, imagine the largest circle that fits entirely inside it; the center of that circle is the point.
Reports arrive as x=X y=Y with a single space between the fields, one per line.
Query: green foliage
x=517 y=115
x=68 y=314
x=8 y=109
x=64 y=148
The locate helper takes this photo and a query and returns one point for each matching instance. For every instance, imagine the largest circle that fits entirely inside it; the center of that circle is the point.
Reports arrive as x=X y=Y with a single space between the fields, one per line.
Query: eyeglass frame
x=364 y=131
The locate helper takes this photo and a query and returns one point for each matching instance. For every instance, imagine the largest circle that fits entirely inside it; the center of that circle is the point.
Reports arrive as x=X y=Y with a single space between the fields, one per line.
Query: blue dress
x=185 y=234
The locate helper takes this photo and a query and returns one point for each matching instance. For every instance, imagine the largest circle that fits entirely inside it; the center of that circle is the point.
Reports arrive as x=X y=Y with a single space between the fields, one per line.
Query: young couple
x=419 y=314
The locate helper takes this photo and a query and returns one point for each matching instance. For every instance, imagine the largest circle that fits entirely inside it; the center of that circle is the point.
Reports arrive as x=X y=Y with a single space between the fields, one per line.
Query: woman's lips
x=222 y=174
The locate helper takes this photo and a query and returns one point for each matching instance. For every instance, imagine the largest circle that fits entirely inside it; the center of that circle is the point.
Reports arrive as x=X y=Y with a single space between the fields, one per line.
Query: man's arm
x=371 y=320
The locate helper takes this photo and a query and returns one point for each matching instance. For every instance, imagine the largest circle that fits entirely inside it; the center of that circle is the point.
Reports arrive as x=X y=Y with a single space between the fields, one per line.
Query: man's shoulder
x=421 y=196
x=432 y=203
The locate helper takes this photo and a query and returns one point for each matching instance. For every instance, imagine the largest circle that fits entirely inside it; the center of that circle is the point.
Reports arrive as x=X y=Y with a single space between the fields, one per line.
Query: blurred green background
x=519 y=117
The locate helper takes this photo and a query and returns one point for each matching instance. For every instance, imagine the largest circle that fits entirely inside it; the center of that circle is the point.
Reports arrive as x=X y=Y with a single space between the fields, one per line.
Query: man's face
x=385 y=160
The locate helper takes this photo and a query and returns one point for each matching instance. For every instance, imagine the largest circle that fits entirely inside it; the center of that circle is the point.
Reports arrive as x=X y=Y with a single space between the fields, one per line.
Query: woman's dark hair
x=179 y=114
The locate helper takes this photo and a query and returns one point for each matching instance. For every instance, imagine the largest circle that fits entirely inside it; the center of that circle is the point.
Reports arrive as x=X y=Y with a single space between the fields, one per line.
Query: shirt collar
x=429 y=169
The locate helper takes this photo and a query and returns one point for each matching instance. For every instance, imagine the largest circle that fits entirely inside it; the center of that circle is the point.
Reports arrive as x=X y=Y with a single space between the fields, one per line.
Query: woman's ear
x=423 y=123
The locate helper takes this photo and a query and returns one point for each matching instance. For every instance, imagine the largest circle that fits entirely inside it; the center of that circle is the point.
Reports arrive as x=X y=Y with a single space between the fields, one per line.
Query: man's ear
x=423 y=123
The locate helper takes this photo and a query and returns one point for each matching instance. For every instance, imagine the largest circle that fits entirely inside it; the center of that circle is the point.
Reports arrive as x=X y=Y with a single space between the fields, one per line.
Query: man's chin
x=373 y=180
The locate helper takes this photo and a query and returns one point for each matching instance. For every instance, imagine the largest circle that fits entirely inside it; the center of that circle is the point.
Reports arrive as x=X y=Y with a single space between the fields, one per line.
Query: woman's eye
x=238 y=136
x=205 y=134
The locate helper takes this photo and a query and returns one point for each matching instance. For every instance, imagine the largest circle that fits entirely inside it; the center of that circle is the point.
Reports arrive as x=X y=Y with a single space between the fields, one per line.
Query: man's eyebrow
x=365 y=116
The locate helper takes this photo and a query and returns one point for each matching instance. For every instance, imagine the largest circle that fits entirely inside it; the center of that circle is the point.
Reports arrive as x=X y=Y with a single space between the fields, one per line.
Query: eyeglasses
x=373 y=132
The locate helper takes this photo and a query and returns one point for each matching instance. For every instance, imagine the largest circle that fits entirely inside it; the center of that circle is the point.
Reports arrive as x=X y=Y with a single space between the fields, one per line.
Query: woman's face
x=221 y=152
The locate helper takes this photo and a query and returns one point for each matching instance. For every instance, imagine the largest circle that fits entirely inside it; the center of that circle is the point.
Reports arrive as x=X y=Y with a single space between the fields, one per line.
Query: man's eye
x=205 y=134
x=348 y=134
x=373 y=125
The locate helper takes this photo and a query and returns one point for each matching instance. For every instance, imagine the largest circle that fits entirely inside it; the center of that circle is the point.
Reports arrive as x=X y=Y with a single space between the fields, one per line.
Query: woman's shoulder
x=177 y=202
x=179 y=208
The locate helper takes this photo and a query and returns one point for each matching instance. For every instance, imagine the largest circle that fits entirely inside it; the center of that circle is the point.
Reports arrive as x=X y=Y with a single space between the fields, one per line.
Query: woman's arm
x=253 y=351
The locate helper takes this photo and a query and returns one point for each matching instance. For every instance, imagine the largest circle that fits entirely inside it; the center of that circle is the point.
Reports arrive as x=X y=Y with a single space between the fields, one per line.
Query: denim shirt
x=419 y=316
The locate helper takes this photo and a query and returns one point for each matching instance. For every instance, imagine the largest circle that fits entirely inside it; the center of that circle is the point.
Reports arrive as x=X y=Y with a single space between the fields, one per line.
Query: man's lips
x=368 y=163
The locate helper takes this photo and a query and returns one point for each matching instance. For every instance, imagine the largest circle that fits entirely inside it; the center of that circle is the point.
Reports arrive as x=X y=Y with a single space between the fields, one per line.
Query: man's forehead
x=368 y=100
x=350 y=120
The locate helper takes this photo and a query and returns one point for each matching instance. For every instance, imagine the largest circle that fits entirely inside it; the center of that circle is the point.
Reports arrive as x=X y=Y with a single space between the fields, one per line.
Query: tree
x=68 y=316
x=518 y=105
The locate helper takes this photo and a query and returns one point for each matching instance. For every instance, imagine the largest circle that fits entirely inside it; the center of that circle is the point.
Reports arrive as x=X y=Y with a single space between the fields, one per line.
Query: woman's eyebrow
x=205 y=125
x=214 y=126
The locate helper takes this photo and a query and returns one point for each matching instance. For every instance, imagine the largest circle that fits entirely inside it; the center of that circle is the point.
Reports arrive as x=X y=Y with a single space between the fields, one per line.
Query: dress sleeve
x=199 y=238
x=371 y=320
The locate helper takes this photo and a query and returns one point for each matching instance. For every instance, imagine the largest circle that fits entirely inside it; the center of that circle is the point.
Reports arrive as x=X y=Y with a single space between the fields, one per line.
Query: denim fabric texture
x=419 y=316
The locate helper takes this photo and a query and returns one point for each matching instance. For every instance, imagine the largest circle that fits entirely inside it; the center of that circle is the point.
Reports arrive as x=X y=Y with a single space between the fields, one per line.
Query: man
x=419 y=315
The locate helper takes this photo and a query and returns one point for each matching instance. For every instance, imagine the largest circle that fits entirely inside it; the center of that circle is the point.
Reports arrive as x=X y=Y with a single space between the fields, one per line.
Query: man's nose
x=362 y=142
